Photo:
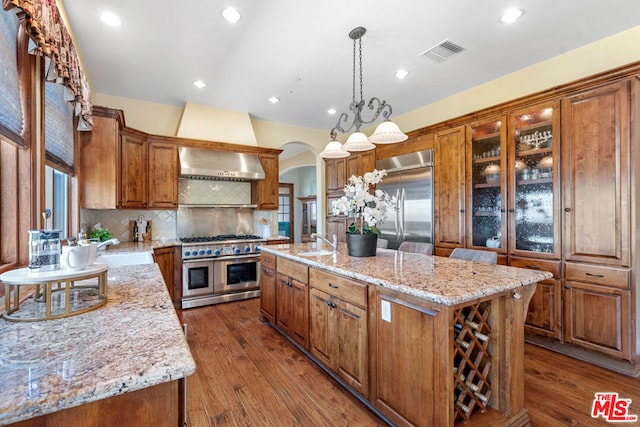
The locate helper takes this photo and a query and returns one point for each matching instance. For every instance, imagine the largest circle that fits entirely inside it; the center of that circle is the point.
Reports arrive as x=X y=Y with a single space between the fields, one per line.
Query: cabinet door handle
x=567 y=209
x=512 y=210
x=533 y=267
x=266 y=261
x=267 y=272
x=567 y=287
x=331 y=285
x=461 y=210
x=503 y=210
x=594 y=275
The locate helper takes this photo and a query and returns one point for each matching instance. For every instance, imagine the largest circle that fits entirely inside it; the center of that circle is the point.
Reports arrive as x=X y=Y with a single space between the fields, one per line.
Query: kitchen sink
x=315 y=253
x=123 y=258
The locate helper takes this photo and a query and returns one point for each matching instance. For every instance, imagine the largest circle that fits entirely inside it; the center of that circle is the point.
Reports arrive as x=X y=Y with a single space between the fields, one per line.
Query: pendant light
x=386 y=133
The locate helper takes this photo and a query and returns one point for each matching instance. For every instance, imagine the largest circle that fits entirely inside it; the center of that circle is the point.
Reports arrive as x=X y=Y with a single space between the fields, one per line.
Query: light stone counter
x=438 y=279
x=135 y=341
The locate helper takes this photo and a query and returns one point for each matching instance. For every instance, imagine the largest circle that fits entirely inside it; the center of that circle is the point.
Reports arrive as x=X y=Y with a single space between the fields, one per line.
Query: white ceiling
x=300 y=50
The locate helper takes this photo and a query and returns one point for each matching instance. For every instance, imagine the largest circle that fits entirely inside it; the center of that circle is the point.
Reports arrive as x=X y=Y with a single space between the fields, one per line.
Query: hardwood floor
x=249 y=375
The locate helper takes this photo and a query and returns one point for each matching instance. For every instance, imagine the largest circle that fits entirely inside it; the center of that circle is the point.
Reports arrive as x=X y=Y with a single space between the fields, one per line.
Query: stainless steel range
x=221 y=268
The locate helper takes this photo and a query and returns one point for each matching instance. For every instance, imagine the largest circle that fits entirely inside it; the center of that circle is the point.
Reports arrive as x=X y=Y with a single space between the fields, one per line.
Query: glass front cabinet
x=486 y=167
x=534 y=199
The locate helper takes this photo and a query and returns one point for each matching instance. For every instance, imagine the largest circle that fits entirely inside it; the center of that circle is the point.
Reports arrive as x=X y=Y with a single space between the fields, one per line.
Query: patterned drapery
x=49 y=37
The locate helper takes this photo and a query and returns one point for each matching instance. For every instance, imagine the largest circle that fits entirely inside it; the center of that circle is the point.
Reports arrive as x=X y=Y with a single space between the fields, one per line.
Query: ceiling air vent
x=442 y=51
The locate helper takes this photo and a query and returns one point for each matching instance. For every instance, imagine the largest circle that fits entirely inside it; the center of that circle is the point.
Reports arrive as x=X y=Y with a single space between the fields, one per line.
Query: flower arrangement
x=366 y=208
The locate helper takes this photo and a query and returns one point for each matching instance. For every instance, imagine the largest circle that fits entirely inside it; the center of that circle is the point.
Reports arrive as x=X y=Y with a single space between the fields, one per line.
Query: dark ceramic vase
x=362 y=245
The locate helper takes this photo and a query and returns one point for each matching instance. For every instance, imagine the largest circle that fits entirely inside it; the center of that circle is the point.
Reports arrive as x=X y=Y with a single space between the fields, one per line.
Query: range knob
x=236 y=251
x=247 y=249
x=187 y=253
x=216 y=252
x=201 y=252
x=256 y=248
x=208 y=251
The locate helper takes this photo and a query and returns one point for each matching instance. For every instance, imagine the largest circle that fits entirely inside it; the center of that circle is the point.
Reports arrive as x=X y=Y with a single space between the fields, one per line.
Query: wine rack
x=472 y=359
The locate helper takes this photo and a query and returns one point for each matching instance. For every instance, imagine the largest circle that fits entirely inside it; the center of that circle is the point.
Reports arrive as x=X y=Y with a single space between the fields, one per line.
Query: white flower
x=361 y=204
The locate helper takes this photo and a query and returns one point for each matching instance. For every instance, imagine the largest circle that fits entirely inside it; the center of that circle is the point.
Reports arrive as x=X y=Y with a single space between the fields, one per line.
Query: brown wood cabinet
x=163 y=176
x=292 y=305
x=449 y=188
x=133 y=171
x=98 y=172
x=165 y=259
x=268 y=286
x=264 y=193
x=338 y=331
x=595 y=161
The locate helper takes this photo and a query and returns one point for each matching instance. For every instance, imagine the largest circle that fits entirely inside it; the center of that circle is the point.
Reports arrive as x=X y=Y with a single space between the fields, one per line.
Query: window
x=57 y=199
x=58 y=122
x=11 y=120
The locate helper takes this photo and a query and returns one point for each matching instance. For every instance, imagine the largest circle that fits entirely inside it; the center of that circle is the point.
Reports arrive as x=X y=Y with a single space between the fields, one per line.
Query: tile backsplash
x=165 y=222
x=117 y=221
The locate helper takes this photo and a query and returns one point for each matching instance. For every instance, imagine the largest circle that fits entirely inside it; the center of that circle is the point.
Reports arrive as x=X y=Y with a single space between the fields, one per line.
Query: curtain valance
x=50 y=37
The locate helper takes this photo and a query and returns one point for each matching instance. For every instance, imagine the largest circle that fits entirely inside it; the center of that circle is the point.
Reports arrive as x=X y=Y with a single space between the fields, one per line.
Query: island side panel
x=411 y=359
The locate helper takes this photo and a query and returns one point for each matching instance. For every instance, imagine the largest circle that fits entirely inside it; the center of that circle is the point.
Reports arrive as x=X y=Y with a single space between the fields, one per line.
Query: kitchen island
x=422 y=340
x=122 y=364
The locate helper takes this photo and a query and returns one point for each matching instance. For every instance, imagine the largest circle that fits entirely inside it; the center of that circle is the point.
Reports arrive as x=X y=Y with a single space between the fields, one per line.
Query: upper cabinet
x=98 y=174
x=596 y=176
x=164 y=169
x=133 y=171
x=264 y=193
x=449 y=188
x=486 y=191
x=534 y=184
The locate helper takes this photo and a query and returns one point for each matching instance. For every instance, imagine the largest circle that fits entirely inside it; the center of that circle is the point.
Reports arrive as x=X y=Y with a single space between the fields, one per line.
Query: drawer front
x=601 y=275
x=268 y=260
x=553 y=267
x=346 y=289
x=295 y=270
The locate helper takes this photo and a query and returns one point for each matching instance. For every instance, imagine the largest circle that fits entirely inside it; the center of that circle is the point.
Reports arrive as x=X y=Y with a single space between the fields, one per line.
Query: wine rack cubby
x=472 y=359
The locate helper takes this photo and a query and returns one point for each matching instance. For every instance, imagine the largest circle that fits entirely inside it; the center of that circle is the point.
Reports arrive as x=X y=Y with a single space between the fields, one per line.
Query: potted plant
x=367 y=210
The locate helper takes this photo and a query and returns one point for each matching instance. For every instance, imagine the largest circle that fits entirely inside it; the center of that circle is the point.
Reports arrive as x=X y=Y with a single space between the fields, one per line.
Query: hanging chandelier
x=387 y=132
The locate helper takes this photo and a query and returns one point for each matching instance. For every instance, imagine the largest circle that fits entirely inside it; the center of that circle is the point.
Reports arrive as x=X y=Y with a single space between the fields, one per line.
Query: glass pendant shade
x=387 y=132
x=358 y=141
x=334 y=150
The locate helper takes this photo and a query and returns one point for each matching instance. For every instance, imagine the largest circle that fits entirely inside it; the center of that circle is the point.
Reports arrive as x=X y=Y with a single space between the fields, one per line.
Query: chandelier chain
x=360 y=56
x=353 y=86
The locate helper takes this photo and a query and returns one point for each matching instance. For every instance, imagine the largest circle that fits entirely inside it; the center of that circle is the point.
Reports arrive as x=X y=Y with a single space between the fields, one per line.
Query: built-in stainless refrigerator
x=410 y=179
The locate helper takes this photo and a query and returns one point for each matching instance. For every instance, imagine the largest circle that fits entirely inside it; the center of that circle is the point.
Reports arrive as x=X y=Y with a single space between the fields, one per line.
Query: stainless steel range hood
x=201 y=163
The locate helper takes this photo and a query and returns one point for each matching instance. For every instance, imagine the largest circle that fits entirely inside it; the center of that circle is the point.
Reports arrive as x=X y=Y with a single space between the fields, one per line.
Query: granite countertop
x=133 y=342
x=438 y=279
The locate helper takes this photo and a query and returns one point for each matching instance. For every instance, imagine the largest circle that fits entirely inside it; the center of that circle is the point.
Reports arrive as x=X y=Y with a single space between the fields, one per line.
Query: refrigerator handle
x=396 y=218
x=402 y=231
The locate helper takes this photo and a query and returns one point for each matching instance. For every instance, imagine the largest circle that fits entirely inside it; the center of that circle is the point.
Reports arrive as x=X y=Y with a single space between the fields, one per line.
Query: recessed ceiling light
x=401 y=74
x=274 y=100
x=110 y=19
x=231 y=14
x=331 y=111
x=511 y=15
x=199 y=84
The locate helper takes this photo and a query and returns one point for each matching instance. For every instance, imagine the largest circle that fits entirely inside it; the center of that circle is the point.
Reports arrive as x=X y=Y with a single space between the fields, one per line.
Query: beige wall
x=602 y=55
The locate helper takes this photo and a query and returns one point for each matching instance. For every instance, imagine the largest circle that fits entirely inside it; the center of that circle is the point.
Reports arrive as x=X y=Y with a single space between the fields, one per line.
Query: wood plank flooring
x=249 y=375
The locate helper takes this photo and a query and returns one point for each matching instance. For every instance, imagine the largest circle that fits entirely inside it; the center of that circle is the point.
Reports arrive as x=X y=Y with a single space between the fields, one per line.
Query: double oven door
x=220 y=275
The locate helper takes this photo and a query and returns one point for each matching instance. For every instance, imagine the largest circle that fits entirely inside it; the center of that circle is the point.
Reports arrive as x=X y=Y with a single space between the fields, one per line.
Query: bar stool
x=416 y=247
x=478 y=255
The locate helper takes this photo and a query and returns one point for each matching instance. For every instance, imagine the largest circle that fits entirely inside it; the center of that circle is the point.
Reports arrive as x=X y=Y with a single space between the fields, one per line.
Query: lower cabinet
x=338 y=335
x=597 y=318
x=292 y=300
x=268 y=286
x=165 y=259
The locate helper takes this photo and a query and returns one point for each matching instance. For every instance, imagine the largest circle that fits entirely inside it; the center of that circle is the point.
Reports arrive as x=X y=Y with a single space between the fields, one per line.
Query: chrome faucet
x=103 y=245
x=333 y=245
